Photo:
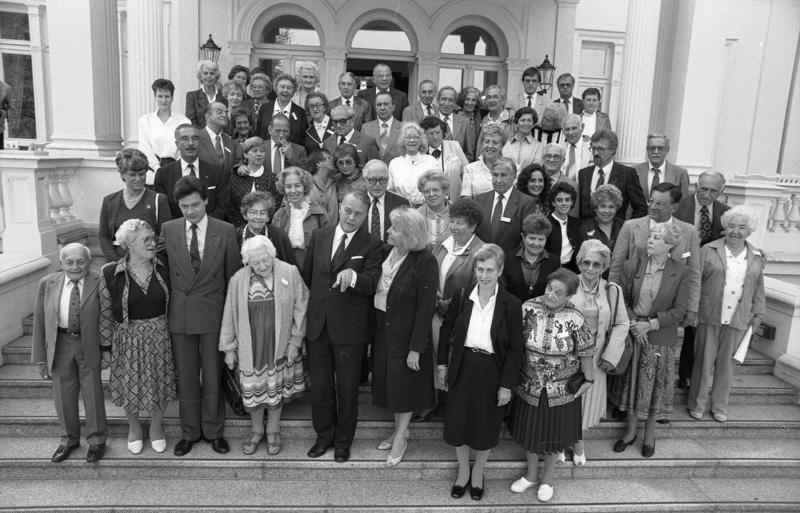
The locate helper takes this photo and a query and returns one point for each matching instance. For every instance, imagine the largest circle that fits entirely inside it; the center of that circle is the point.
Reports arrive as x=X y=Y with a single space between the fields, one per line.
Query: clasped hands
x=291 y=355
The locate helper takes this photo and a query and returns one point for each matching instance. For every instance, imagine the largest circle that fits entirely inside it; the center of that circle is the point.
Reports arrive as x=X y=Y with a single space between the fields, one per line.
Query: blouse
x=438 y=223
x=477 y=179
x=388 y=272
x=524 y=151
x=555 y=341
x=404 y=173
x=479 y=331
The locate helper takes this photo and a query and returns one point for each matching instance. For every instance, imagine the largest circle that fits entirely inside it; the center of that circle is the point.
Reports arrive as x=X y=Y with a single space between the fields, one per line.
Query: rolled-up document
x=744 y=344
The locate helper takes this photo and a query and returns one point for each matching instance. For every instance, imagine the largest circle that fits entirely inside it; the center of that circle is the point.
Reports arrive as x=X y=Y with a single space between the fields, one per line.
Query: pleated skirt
x=545 y=429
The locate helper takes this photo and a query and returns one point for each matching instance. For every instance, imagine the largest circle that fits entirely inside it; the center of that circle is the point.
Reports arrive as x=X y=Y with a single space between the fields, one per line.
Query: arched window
x=290 y=30
x=287 y=30
x=471 y=56
x=381 y=35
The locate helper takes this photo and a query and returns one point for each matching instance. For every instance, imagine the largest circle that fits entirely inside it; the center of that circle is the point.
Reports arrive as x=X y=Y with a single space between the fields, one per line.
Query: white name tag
x=211 y=187
x=285 y=282
x=356 y=257
x=294 y=116
x=505 y=219
x=686 y=254
x=757 y=252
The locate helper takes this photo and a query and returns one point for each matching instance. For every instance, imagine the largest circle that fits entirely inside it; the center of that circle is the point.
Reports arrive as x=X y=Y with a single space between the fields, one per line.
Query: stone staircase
x=751 y=463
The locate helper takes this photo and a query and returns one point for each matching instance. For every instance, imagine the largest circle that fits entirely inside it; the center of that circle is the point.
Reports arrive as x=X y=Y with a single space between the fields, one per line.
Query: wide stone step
x=206 y=495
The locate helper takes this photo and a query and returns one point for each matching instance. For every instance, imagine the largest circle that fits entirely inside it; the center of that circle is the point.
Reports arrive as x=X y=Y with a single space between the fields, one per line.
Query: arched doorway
x=471 y=55
x=284 y=43
x=382 y=41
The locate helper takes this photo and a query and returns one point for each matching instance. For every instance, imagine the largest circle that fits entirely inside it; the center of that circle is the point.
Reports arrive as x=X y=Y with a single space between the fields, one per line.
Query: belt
x=480 y=351
x=66 y=331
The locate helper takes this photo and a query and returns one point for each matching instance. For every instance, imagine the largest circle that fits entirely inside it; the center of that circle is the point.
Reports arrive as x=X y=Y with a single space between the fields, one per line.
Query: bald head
x=75 y=259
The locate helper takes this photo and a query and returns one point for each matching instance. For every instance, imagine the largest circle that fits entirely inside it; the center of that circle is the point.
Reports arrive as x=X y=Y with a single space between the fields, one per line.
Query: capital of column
x=240 y=48
x=335 y=53
x=145 y=61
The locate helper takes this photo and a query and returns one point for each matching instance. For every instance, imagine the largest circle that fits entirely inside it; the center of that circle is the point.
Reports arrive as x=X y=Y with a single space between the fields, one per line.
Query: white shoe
x=545 y=493
x=521 y=485
x=561 y=457
x=579 y=461
x=159 y=445
x=136 y=446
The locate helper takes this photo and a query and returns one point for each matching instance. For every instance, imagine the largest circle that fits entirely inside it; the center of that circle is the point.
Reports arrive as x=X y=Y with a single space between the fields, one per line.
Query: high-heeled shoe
x=476 y=492
x=620 y=445
x=458 y=491
x=387 y=444
x=393 y=462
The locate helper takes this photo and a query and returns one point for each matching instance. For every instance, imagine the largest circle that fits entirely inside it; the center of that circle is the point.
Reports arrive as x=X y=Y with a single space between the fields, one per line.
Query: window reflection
x=290 y=31
x=382 y=35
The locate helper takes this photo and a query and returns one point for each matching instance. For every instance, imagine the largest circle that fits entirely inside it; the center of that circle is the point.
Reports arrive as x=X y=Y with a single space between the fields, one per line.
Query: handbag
x=575 y=382
x=232 y=390
x=627 y=352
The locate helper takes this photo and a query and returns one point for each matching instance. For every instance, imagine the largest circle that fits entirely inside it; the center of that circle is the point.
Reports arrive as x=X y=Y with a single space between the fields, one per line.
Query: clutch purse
x=575 y=381
x=232 y=390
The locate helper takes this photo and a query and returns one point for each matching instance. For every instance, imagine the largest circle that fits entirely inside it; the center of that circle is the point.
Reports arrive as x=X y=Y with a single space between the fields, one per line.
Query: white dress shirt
x=566 y=247
x=213 y=136
x=322 y=127
x=734 y=284
x=650 y=174
x=337 y=236
x=596 y=174
x=202 y=226
x=479 y=332
x=589 y=123
x=447 y=118
x=63 y=305
x=185 y=167
x=447 y=261
x=157 y=138
x=505 y=201
x=477 y=179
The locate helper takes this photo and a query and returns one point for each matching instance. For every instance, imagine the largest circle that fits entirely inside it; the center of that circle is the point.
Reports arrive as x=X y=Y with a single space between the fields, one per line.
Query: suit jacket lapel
x=90 y=284
x=209 y=248
x=668 y=282
x=53 y=294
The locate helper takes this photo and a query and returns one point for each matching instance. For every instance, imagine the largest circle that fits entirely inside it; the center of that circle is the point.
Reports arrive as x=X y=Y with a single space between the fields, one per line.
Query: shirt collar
x=212 y=133
x=449 y=243
x=196 y=164
x=473 y=296
x=201 y=224
x=337 y=234
x=653 y=224
x=661 y=168
x=68 y=281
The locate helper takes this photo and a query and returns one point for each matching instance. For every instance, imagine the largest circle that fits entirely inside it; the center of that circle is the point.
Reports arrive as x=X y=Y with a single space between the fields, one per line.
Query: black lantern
x=546 y=70
x=209 y=51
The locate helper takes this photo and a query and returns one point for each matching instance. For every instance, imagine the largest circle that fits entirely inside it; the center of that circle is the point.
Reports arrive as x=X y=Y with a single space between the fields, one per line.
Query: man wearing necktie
x=283 y=153
x=385 y=128
x=342 y=119
x=504 y=208
x=341 y=269
x=457 y=126
x=425 y=106
x=348 y=84
x=604 y=170
x=657 y=169
x=216 y=146
x=576 y=146
x=530 y=97
x=382 y=202
x=66 y=345
x=202 y=254
x=566 y=84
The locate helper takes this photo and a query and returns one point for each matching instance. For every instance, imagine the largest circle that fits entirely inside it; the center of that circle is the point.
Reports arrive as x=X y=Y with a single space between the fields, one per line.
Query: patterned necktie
x=601 y=178
x=194 y=250
x=449 y=135
x=705 y=226
x=375 y=220
x=496 y=215
x=656 y=180
x=436 y=153
x=347 y=103
x=277 y=161
x=192 y=172
x=218 y=148
x=74 y=314
x=384 y=136
x=430 y=112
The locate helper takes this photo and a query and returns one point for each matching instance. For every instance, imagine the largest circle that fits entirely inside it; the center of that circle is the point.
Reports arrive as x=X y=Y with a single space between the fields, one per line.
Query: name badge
x=211 y=187
x=356 y=257
x=294 y=116
x=505 y=219
x=285 y=282
x=686 y=254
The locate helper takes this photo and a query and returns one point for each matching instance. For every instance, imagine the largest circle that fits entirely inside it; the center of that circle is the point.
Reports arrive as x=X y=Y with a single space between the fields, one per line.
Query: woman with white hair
x=307 y=82
x=210 y=91
x=263 y=326
x=433 y=185
x=405 y=170
x=731 y=300
x=134 y=294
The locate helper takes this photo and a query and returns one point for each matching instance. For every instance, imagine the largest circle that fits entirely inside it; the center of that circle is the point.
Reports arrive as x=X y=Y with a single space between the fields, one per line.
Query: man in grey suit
x=657 y=169
x=216 y=146
x=425 y=106
x=342 y=118
x=382 y=77
x=385 y=129
x=361 y=107
x=457 y=126
x=203 y=254
x=66 y=345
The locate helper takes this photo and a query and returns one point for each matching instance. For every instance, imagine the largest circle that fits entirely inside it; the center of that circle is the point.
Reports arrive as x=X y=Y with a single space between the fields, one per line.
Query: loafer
x=63 y=452
x=648 y=450
x=341 y=455
x=696 y=415
x=545 y=493
x=136 y=446
x=317 y=450
x=720 y=417
x=159 y=445
x=95 y=453
x=183 y=447
x=663 y=421
x=620 y=445
x=521 y=485
x=220 y=446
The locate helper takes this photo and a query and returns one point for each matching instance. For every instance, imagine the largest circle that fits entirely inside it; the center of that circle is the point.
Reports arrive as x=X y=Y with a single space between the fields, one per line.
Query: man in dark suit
x=285 y=87
x=361 y=107
x=704 y=211
x=504 y=208
x=457 y=125
x=216 y=146
x=282 y=152
x=657 y=169
x=566 y=83
x=342 y=268
x=202 y=254
x=66 y=345
x=605 y=170
x=214 y=181
x=382 y=77
x=425 y=106
x=385 y=129
x=382 y=202
x=342 y=118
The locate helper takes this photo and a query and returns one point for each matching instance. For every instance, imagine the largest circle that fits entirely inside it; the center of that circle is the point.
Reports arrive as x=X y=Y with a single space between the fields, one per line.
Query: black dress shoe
x=220 y=446
x=341 y=455
x=663 y=421
x=475 y=492
x=95 y=453
x=318 y=450
x=620 y=445
x=63 y=452
x=183 y=447
x=684 y=383
x=648 y=450
x=457 y=492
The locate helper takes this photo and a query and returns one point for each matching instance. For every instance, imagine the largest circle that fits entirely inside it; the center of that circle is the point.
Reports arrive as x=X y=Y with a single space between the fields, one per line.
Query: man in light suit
x=342 y=268
x=202 y=254
x=342 y=118
x=382 y=202
x=66 y=345
x=425 y=106
x=504 y=208
x=632 y=240
x=450 y=157
x=347 y=88
x=385 y=129
x=576 y=146
x=566 y=84
x=704 y=211
x=605 y=170
x=457 y=126
x=382 y=77
x=657 y=169
x=216 y=146
x=214 y=181
x=530 y=96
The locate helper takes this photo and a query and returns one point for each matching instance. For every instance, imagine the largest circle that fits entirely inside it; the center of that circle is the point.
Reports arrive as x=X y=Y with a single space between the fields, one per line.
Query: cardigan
x=610 y=340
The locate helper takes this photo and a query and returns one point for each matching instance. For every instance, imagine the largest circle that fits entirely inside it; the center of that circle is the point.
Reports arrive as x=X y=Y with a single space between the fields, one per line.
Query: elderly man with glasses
x=342 y=118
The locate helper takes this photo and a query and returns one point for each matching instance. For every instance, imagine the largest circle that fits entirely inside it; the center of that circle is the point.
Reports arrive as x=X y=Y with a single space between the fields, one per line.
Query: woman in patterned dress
x=134 y=293
x=263 y=326
x=249 y=178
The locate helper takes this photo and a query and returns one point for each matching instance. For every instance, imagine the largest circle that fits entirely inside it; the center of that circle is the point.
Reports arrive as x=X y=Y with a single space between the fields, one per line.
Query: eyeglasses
x=258 y=213
x=566 y=84
x=376 y=181
x=552 y=157
x=384 y=75
x=598 y=149
x=591 y=264
x=656 y=148
x=316 y=106
x=342 y=121
x=345 y=162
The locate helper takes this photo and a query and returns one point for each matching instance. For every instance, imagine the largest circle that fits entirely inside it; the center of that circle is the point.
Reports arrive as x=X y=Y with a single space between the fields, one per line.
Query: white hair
x=740 y=212
x=127 y=231
x=75 y=245
x=253 y=243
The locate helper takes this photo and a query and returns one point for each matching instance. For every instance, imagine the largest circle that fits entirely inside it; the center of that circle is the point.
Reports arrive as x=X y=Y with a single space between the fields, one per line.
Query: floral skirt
x=648 y=386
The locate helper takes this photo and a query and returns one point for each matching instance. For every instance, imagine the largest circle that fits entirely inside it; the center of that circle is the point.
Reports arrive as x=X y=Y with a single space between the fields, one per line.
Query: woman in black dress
x=482 y=337
x=402 y=376
x=250 y=177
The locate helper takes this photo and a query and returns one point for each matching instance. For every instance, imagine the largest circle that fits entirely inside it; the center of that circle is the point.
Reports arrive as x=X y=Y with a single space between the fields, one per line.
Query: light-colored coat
x=415 y=113
x=291 y=304
x=672 y=174
x=609 y=345
x=715 y=268
x=453 y=166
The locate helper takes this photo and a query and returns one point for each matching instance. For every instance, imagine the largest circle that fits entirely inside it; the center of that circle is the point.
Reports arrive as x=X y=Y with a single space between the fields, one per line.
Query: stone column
x=35 y=14
x=636 y=96
x=515 y=69
x=145 y=29
x=427 y=67
x=334 y=65
x=565 y=37
x=84 y=71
